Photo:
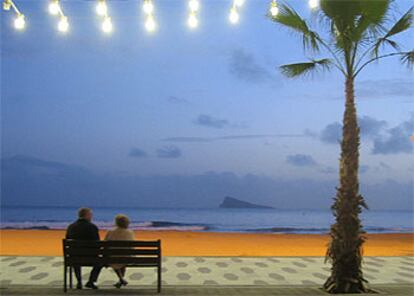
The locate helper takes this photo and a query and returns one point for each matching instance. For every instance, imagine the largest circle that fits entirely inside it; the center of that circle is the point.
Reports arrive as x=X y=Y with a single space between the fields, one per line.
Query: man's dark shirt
x=82 y=229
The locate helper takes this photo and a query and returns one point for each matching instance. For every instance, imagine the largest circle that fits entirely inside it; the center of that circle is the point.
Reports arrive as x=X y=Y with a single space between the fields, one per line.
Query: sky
x=182 y=102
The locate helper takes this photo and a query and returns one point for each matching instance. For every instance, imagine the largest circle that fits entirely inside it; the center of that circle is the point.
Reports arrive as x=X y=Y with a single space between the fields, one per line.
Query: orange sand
x=174 y=243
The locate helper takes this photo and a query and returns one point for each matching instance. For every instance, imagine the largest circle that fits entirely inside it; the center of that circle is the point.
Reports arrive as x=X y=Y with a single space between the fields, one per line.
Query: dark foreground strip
x=392 y=289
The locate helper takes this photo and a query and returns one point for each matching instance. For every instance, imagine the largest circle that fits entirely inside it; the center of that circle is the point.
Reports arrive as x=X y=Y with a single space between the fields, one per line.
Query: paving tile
x=259 y=271
x=27 y=269
x=231 y=276
x=289 y=270
x=276 y=276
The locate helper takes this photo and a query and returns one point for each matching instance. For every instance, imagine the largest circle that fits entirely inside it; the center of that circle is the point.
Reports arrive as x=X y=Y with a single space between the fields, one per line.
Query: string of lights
x=194 y=6
x=56 y=9
x=150 y=23
x=102 y=11
x=19 y=21
x=148 y=9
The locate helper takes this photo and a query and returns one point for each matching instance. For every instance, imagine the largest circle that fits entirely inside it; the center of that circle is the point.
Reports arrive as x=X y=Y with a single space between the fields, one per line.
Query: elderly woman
x=120 y=232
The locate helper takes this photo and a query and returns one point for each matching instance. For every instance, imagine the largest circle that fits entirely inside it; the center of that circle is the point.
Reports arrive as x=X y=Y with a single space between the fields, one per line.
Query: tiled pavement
x=211 y=271
x=383 y=290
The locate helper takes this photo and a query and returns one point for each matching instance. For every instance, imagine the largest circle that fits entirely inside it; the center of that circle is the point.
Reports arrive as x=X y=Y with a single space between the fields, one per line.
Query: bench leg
x=65 y=288
x=159 y=279
x=71 y=277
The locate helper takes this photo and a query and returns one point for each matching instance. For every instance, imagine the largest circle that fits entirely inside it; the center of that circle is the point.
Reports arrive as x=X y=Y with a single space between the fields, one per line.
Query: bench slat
x=97 y=244
x=109 y=251
x=116 y=252
x=138 y=261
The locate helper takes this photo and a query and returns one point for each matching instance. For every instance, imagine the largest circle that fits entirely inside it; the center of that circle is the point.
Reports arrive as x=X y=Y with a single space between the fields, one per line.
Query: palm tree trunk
x=345 y=249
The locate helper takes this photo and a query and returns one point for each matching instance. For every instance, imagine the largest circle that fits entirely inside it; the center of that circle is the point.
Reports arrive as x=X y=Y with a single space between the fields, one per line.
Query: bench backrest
x=89 y=253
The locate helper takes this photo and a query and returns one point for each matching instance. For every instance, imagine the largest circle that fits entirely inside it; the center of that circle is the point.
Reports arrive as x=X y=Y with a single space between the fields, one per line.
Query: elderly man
x=84 y=229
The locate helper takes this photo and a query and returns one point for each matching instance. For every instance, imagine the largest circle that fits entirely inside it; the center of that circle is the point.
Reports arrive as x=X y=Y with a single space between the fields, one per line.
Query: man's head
x=85 y=213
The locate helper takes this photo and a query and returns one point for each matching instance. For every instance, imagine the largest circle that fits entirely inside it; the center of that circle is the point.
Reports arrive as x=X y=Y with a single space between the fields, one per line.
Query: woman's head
x=121 y=221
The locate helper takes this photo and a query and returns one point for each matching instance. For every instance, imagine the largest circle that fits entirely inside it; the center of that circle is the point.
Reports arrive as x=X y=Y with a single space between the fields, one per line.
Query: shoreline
x=186 y=243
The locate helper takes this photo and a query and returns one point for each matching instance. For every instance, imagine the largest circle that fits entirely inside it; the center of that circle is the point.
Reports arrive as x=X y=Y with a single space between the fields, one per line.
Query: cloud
x=137 y=153
x=210 y=121
x=396 y=141
x=385 y=140
x=230 y=137
x=301 y=160
x=385 y=88
x=332 y=133
x=169 y=152
x=244 y=67
x=370 y=128
x=329 y=170
x=55 y=184
x=187 y=139
x=176 y=100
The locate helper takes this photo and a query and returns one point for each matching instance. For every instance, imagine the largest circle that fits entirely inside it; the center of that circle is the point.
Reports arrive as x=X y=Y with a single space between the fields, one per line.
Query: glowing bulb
x=150 y=24
x=192 y=21
x=19 y=22
x=194 y=5
x=239 y=3
x=274 y=10
x=313 y=4
x=234 y=16
x=148 y=7
x=54 y=7
x=6 y=5
x=63 y=25
x=107 y=26
x=101 y=8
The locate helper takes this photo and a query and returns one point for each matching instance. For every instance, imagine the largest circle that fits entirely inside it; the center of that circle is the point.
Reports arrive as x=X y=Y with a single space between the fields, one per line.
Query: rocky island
x=234 y=203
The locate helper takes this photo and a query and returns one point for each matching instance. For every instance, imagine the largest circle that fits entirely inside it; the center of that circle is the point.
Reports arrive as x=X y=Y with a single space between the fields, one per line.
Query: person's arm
x=108 y=235
x=69 y=232
x=94 y=232
x=131 y=235
x=97 y=233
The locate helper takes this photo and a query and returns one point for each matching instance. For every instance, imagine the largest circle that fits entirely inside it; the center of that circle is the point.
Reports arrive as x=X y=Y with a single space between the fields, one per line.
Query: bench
x=105 y=253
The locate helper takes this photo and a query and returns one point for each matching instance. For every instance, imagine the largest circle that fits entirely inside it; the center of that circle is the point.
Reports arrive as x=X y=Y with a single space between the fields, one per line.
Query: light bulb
x=63 y=25
x=19 y=22
x=239 y=3
x=150 y=24
x=6 y=5
x=274 y=10
x=107 y=26
x=192 y=21
x=194 y=5
x=234 y=16
x=54 y=7
x=313 y=4
x=148 y=7
x=101 y=8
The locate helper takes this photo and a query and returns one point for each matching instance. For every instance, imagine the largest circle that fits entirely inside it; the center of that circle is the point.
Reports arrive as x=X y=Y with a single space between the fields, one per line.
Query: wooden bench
x=105 y=253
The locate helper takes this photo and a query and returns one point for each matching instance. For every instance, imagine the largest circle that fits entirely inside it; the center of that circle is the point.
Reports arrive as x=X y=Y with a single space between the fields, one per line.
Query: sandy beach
x=176 y=243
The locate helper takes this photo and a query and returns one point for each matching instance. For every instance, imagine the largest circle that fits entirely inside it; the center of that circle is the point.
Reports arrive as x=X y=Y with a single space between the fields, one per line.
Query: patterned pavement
x=211 y=271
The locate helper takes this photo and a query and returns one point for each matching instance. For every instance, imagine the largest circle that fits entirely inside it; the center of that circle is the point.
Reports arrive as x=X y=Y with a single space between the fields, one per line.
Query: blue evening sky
x=181 y=101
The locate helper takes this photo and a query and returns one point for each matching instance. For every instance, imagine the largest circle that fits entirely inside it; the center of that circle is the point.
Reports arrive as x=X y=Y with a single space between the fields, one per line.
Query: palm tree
x=354 y=34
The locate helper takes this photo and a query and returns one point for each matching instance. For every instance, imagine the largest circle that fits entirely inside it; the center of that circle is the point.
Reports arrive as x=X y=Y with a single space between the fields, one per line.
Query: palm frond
x=373 y=15
x=408 y=59
x=300 y=69
x=402 y=25
x=353 y=21
x=289 y=18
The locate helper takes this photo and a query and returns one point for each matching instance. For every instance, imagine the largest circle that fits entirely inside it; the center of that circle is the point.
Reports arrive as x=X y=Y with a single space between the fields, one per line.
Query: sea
x=213 y=220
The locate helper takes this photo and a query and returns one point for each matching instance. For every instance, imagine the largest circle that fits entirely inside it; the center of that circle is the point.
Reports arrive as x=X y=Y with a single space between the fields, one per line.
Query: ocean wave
x=326 y=230
x=289 y=230
x=179 y=226
x=150 y=225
